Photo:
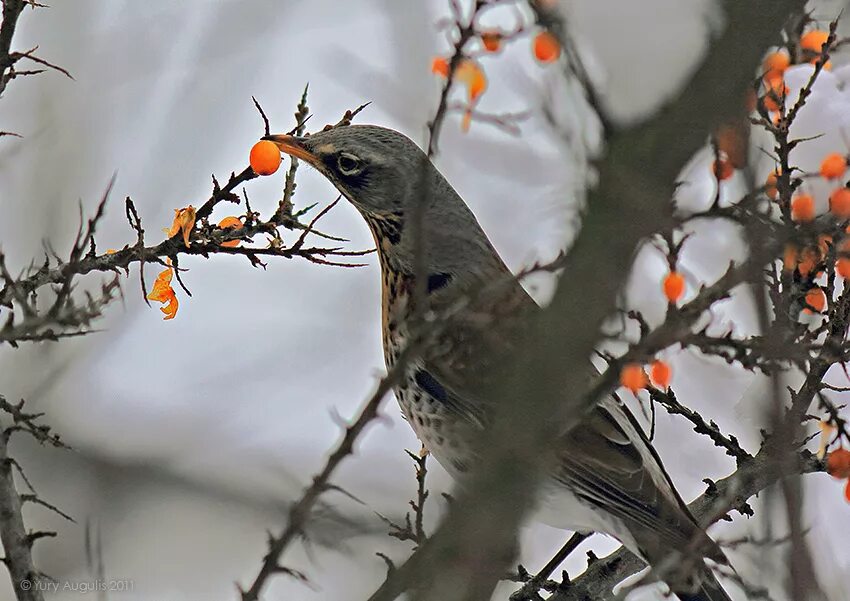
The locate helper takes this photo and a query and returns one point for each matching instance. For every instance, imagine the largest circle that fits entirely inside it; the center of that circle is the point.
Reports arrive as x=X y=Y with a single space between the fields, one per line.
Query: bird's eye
x=348 y=164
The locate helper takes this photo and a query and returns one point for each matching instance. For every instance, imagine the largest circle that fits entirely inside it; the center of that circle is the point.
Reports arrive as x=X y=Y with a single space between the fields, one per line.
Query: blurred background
x=192 y=436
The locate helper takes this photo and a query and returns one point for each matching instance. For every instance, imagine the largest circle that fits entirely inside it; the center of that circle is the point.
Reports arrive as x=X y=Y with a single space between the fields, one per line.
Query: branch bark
x=11 y=11
x=17 y=544
x=762 y=471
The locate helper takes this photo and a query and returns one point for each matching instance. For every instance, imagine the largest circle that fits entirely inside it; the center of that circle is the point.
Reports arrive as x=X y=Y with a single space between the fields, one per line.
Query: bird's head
x=385 y=174
x=373 y=167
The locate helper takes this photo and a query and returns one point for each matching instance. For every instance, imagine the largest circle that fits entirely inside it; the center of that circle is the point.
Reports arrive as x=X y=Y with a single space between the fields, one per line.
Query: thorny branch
x=17 y=541
x=730 y=493
x=413 y=530
x=66 y=318
x=299 y=512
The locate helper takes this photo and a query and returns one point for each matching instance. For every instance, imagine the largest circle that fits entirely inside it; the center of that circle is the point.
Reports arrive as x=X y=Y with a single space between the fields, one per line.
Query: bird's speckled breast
x=427 y=415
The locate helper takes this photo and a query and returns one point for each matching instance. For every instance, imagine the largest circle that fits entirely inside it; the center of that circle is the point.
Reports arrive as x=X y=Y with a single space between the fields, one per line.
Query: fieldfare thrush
x=609 y=478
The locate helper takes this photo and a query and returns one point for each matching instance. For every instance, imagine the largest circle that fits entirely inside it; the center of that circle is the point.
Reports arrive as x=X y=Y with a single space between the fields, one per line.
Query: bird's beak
x=292 y=146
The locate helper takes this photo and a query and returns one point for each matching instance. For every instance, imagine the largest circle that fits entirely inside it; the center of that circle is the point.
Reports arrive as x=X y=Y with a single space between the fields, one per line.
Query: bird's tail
x=709 y=590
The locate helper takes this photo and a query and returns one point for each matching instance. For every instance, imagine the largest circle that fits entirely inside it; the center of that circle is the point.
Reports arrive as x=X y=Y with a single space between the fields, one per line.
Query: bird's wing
x=607 y=461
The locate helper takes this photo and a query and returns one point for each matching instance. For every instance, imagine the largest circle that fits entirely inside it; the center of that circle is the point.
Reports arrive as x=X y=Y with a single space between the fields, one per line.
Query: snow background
x=192 y=435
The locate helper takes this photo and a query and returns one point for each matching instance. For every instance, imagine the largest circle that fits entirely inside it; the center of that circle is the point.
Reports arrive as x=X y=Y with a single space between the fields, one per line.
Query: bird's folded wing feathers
x=601 y=462
x=604 y=460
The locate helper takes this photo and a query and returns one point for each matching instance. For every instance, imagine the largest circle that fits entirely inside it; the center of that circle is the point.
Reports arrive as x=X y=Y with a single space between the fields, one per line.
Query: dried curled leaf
x=162 y=292
x=184 y=221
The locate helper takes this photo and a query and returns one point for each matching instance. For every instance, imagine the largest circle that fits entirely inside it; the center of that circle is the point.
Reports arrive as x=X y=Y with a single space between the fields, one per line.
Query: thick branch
x=11 y=11
x=751 y=478
x=16 y=542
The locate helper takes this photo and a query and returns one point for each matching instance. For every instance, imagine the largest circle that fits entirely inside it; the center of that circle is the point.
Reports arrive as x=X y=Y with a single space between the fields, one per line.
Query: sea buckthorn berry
x=491 y=40
x=803 y=208
x=839 y=203
x=722 y=169
x=838 y=463
x=815 y=300
x=842 y=267
x=775 y=91
x=770 y=185
x=660 y=373
x=775 y=64
x=833 y=166
x=633 y=377
x=813 y=41
x=547 y=49
x=440 y=66
x=227 y=223
x=264 y=157
x=673 y=286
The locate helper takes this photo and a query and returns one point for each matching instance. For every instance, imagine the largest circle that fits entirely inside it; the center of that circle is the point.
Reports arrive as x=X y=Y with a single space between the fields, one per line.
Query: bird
x=607 y=477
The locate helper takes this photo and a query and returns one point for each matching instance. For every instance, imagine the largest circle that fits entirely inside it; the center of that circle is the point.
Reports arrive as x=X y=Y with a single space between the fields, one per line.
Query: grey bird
x=609 y=478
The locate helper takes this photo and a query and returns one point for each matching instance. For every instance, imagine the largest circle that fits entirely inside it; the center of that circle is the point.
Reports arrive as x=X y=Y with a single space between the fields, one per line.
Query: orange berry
x=722 y=169
x=264 y=157
x=773 y=80
x=833 y=166
x=839 y=203
x=803 y=208
x=440 y=66
x=547 y=49
x=660 y=373
x=842 y=267
x=674 y=286
x=770 y=185
x=815 y=299
x=633 y=377
x=775 y=91
x=230 y=222
x=838 y=463
x=775 y=63
x=814 y=40
x=847 y=491
x=492 y=41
